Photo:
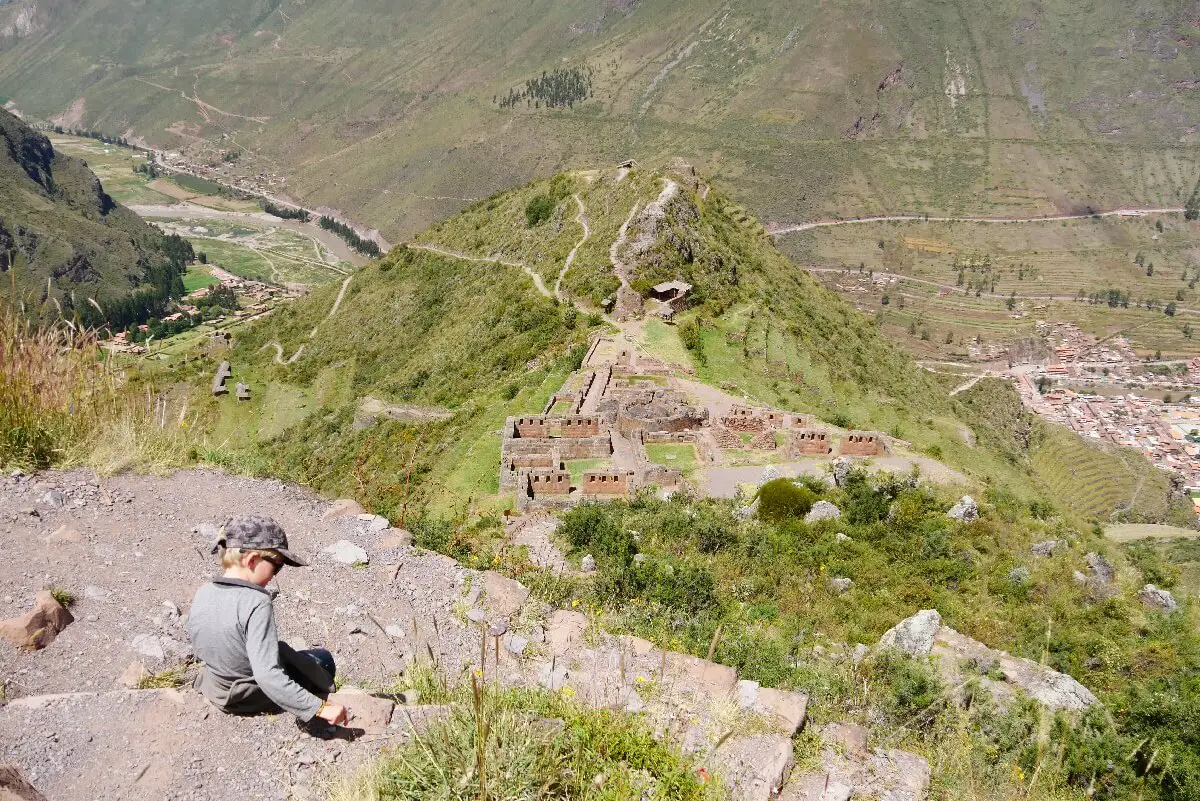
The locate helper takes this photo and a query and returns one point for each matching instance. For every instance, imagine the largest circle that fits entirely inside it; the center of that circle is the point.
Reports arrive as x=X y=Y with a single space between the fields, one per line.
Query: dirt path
x=188 y=211
x=967 y=385
x=587 y=232
x=793 y=228
x=203 y=107
x=337 y=302
x=537 y=279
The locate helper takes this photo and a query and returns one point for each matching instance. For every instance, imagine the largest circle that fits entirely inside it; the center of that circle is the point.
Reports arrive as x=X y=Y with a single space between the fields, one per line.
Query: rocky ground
x=134 y=549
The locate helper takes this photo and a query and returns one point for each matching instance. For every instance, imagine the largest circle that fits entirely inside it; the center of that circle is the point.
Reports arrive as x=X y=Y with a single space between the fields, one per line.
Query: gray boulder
x=965 y=510
x=746 y=512
x=769 y=473
x=1101 y=570
x=1019 y=575
x=1046 y=548
x=913 y=635
x=841 y=469
x=347 y=553
x=1155 y=598
x=841 y=537
x=822 y=510
x=588 y=564
x=841 y=584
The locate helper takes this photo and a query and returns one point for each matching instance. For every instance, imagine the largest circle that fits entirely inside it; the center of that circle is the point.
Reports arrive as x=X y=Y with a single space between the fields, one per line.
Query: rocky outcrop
x=965 y=510
x=38 y=627
x=822 y=510
x=1156 y=598
x=923 y=635
x=1047 y=548
x=913 y=635
x=957 y=652
x=850 y=768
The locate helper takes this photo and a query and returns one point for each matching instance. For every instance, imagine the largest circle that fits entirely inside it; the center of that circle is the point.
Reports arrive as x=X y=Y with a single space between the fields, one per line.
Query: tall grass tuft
x=53 y=384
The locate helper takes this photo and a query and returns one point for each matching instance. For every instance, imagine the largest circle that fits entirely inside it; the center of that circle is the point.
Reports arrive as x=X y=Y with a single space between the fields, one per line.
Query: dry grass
x=52 y=386
x=61 y=402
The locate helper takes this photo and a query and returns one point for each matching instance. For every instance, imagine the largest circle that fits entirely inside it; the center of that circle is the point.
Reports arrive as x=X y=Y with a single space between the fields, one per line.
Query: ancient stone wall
x=670 y=437
x=549 y=482
x=575 y=426
x=808 y=442
x=606 y=483
x=662 y=476
x=745 y=423
x=530 y=427
x=859 y=443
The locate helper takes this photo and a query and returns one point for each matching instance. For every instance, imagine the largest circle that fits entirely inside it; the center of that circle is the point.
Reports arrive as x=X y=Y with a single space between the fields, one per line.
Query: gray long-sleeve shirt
x=232 y=626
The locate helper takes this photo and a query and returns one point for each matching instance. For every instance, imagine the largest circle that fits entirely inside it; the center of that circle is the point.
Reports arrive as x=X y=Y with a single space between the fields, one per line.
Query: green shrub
x=781 y=499
x=590 y=528
x=538 y=210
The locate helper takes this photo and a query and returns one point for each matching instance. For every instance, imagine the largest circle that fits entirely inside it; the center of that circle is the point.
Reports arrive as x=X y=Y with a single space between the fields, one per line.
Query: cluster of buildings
x=611 y=410
x=225 y=173
x=1167 y=433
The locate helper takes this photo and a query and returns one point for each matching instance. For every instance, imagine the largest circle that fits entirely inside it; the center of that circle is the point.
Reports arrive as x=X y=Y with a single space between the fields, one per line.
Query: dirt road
x=795 y=227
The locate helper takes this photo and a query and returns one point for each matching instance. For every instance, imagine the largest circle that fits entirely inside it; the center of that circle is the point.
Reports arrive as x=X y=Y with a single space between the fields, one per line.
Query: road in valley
x=796 y=227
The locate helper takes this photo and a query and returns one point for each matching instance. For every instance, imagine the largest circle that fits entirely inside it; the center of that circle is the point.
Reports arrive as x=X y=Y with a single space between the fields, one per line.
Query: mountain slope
x=393 y=111
x=64 y=241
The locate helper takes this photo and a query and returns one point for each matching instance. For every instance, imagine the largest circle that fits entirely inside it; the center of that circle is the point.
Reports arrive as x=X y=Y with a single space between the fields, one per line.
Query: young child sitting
x=246 y=669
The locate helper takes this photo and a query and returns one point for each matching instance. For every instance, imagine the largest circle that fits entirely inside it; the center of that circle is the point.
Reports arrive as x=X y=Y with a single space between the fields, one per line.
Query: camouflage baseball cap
x=255 y=531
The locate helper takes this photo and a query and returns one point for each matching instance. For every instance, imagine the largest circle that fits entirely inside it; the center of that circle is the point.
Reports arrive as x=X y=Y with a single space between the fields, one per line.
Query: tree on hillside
x=1191 y=210
x=1169 y=310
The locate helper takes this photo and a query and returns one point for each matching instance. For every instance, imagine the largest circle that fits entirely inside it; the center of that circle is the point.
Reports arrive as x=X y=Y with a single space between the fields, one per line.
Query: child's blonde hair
x=232 y=557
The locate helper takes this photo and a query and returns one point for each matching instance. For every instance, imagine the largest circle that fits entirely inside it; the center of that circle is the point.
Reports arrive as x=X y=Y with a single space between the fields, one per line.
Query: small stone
x=497 y=628
x=477 y=615
x=1079 y=577
x=396 y=538
x=515 y=644
x=822 y=510
x=965 y=510
x=54 y=499
x=343 y=507
x=94 y=593
x=841 y=537
x=588 y=564
x=378 y=523
x=172 y=610
x=538 y=634
x=747 y=693
x=1157 y=599
x=913 y=635
x=553 y=678
x=394 y=631
x=769 y=473
x=859 y=653
x=347 y=553
x=1047 y=548
x=133 y=675
x=841 y=584
x=37 y=628
x=149 y=646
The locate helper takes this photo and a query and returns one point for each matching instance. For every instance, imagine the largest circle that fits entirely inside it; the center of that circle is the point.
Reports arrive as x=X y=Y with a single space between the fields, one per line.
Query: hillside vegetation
x=66 y=248
x=401 y=113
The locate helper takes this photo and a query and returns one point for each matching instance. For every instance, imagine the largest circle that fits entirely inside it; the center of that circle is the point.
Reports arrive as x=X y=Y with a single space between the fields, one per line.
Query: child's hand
x=334 y=713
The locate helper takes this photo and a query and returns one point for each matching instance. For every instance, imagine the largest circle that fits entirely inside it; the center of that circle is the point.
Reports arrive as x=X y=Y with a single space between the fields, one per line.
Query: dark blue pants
x=317 y=675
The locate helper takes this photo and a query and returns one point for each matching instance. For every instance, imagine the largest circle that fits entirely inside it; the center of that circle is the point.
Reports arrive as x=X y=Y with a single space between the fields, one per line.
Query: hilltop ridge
x=67 y=248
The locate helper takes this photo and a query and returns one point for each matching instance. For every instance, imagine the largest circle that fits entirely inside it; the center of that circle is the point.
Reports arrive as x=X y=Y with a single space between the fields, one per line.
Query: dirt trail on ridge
x=1136 y=212
x=580 y=218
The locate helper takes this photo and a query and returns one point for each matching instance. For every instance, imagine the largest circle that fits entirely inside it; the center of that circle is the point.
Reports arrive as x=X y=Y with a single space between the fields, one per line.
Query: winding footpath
x=587 y=232
x=537 y=279
x=796 y=227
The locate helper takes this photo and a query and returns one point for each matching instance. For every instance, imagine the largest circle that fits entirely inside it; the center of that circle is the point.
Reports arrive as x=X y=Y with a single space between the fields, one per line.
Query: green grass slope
x=64 y=241
x=413 y=330
x=390 y=110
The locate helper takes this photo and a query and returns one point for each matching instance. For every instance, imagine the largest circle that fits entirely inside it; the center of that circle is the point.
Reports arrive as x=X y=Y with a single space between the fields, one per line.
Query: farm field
x=113 y=165
x=267 y=254
x=948 y=283
x=198 y=276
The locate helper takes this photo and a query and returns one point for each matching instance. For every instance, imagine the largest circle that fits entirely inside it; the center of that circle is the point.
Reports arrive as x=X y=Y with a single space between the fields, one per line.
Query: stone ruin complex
x=611 y=411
